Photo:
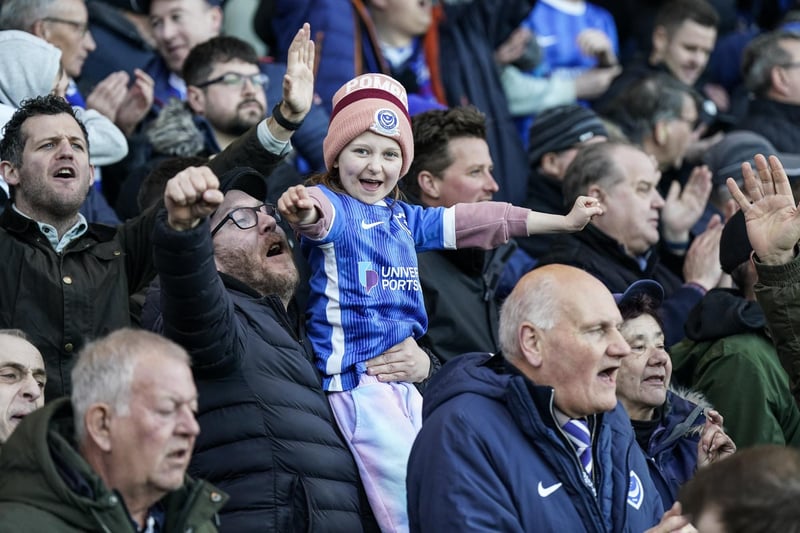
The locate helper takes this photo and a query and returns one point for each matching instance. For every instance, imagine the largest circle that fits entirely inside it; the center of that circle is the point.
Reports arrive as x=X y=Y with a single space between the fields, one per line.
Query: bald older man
x=533 y=438
x=22 y=379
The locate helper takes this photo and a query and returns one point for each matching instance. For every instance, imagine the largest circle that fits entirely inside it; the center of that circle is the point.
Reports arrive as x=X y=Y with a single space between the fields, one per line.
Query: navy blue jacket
x=672 y=450
x=490 y=457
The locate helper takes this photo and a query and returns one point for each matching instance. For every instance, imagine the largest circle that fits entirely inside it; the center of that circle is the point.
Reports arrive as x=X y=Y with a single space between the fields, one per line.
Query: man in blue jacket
x=534 y=439
x=180 y=25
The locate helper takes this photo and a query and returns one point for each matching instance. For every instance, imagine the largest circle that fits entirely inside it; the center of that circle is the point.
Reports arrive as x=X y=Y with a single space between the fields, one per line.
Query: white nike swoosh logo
x=544 y=492
x=546 y=40
x=371 y=224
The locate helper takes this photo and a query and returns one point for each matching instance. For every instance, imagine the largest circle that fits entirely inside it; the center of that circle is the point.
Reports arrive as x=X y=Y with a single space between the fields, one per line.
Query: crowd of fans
x=399 y=265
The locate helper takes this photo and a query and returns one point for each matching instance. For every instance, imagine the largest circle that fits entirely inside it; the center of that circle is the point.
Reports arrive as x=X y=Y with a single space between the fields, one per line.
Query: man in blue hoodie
x=534 y=439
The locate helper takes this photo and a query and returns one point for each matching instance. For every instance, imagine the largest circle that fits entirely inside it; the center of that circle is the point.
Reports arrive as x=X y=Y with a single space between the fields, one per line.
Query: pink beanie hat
x=370 y=102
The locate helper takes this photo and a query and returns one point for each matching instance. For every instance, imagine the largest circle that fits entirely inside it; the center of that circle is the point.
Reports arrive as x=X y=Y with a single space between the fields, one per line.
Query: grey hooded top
x=28 y=67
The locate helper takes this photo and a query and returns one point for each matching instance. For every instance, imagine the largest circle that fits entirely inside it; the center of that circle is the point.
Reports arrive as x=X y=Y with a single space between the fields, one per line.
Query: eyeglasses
x=247 y=217
x=793 y=64
x=673 y=116
x=234 y=79
x=81 y=27
x=691 y=122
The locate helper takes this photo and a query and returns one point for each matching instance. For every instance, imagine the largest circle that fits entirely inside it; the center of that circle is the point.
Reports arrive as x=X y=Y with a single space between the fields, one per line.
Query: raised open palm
x=771 y=215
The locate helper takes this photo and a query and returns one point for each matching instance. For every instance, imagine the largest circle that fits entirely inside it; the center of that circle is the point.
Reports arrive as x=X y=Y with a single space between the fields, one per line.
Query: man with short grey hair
x=113 y=458
x=625 y=244
x=771 y=70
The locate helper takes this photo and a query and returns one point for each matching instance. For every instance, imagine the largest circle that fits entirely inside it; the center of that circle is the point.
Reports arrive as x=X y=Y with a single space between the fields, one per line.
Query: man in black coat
x=771 y=69
x=452 y=164
x=620 y=247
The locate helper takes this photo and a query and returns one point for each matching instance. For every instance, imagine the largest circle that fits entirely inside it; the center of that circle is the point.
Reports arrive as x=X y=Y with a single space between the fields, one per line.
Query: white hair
x=22 y=14
x=536 y=302
x=104 y=371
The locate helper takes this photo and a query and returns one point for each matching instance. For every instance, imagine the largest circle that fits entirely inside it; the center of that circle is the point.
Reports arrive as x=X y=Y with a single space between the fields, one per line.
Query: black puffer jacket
x=268 y=437
x=603 y=257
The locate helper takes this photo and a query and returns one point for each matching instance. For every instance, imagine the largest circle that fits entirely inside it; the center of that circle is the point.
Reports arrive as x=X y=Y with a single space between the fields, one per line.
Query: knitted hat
x=370 y=102
x=561 y=128
x=734 y=245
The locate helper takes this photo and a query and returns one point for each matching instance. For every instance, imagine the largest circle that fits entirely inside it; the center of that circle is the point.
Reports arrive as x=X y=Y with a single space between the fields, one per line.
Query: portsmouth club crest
x=386 y=123
x=635 y=491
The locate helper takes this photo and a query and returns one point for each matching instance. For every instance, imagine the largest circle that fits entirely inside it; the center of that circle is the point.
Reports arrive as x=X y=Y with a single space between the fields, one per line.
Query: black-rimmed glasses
x=692 y=123
x=234 y=79
x=81 y=27
x=247 y=217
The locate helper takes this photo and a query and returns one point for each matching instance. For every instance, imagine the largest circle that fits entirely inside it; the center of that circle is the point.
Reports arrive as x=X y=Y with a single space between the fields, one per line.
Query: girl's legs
x=379 y=422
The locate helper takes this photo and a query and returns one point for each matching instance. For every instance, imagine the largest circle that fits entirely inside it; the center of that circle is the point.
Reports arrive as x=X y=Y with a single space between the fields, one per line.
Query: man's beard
x=243 y=265
x=50 y=205
x=242 y=122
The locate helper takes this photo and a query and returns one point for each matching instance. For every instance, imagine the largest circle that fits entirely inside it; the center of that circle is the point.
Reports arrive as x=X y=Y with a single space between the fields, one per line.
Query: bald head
x=560 y=327
x=22 y=380
x=539 y=298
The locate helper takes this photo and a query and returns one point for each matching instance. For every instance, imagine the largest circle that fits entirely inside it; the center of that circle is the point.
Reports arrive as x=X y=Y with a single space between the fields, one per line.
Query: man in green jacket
x=773 y=228
x=728 y=356
x=113 y=457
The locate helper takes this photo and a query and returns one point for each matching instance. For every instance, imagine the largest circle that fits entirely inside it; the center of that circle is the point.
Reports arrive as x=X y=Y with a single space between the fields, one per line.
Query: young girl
x=365 y=296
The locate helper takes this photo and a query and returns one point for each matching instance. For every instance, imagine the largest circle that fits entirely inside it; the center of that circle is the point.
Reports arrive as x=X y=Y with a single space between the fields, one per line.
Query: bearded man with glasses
x=226 y=96
x=225 y=88
x=227 y=280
